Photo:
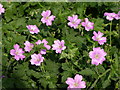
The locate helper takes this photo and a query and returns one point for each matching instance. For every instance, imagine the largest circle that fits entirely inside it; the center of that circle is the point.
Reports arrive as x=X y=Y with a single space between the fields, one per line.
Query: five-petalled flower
x=47 y=18
x=28 y=46
x=33 y=29
x=74 y=21
x=58 y=46
x=37 y=59
x=17 y=52
x=76 y=82
x=98 y=37
x=97 y=56
x=87 y=24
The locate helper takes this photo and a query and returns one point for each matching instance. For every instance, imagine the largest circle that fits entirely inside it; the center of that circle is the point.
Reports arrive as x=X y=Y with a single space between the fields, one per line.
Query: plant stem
x=93 y=85
x=110 y=32
x=28 y=37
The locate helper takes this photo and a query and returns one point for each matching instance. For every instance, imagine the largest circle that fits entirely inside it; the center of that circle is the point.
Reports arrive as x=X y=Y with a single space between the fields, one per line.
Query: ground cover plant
x=60 y=45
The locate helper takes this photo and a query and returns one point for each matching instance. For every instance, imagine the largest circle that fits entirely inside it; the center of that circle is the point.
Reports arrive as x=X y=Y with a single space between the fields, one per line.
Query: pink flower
x=87 y=24
x=74 y=21
x=47 y=18
x=97 y=55
x=17 y=52
x=47 y=46
x=110 y=16
x=33 y=29
x=58 y=46
x=98 y=37
x=117 y=16
x=28 y=46
x=43 y=51
x=2 y=10
x=38 y=42
x=76 y=82
x=45 y=42
x=37 y=59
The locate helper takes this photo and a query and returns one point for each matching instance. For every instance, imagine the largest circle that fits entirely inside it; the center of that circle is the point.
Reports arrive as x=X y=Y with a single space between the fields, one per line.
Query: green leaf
x=87 y=72
x=106 y=83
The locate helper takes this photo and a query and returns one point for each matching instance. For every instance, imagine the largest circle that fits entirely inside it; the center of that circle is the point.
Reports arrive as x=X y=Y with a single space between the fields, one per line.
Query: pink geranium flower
x=76 y=82
x=28 y=46
x=97 y=56
x=87 y=24
x=45 y=42
x=2 y=10
x=74 y=21
x=33 y=29
x=98 y=37
x=47 y=18
x=37 y=59
x=17 y=52
x=58 y=46
x=38 y=42
x=110 y=16
x=43 y=51
x=117 y=16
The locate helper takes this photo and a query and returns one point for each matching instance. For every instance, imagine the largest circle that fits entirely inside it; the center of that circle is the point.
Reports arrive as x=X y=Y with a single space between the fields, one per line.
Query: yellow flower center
x=60 y=46
x=38 y=60
x=47 y=17
x=16 y=53
x=73 y=22
x=75 y=84
x=96 y=56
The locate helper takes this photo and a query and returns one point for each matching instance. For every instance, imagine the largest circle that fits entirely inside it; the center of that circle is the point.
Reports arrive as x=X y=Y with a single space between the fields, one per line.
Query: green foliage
x=56 y=68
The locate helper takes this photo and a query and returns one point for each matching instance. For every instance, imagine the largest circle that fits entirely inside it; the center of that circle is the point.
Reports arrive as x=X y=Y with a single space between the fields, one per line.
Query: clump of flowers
x=97 y=56
x=76 y=82
x=33 y=29
x=74 y=21
x=111 y=16
x=28 y=46
x=37 y=59
x=98 y=37
x=87 y=24
x=47 y=18
x=58 y=46
x=17 y=52
x=2 y=10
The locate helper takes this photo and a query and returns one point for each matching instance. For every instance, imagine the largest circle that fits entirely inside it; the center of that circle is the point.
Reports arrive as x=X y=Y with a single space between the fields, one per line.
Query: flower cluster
x=97 y=55
x=74 y=22
x=37 y=58
x=111 y=16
